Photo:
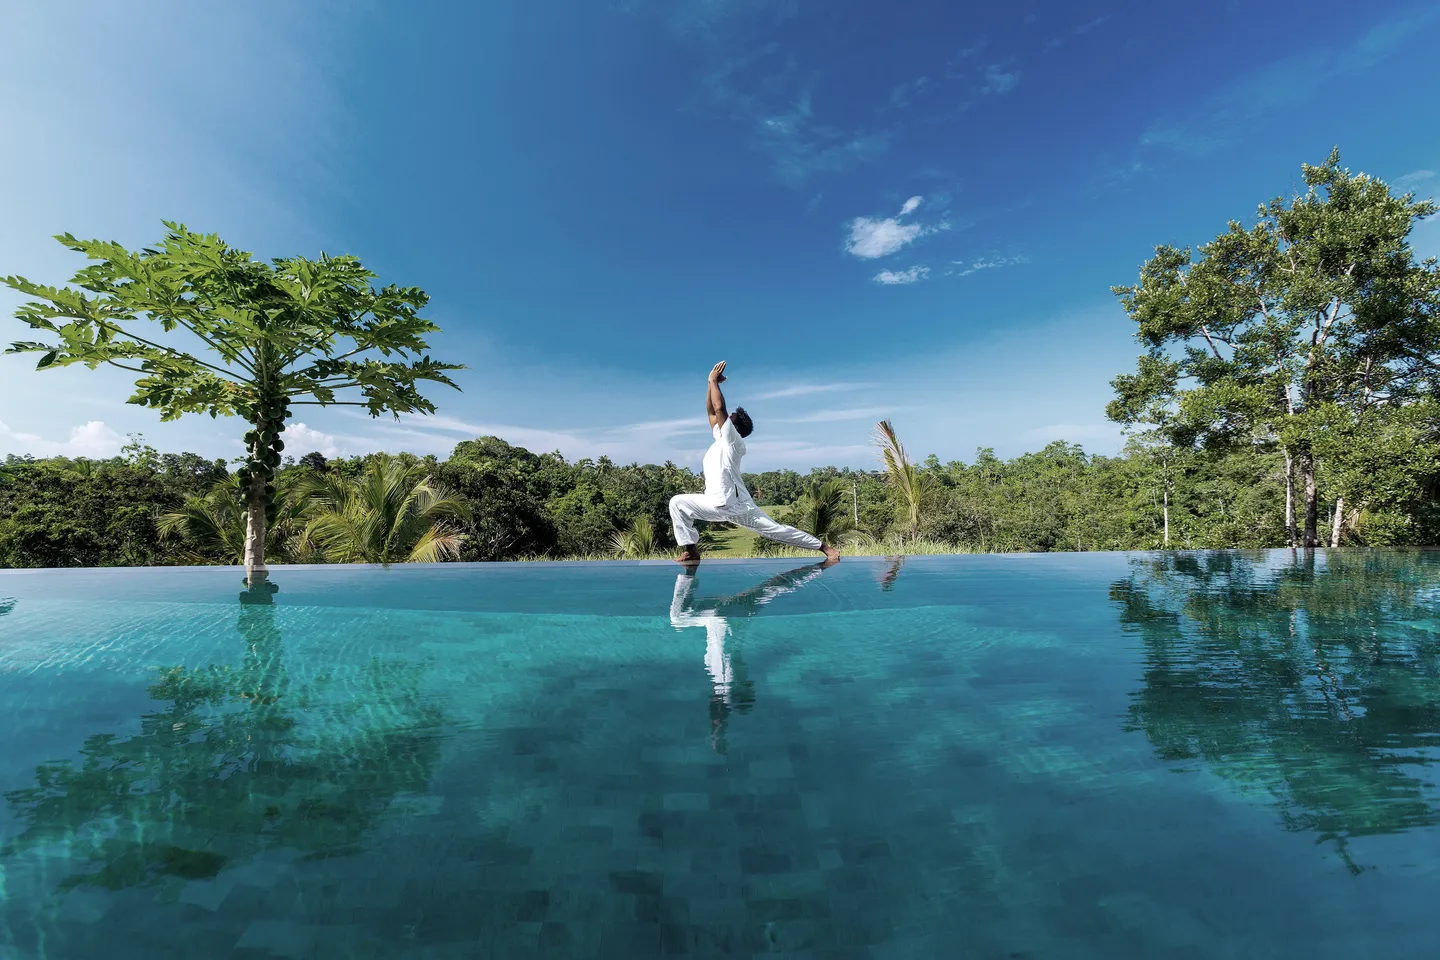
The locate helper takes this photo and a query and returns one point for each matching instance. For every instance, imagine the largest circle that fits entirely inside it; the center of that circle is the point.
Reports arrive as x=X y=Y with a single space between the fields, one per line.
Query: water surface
x=1097 y=755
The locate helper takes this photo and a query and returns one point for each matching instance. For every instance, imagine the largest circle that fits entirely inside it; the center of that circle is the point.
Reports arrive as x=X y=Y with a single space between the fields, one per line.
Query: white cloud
x=94 y=440
x=906 y=93
x=773 y=96
x=1076 y=433
x=649 y=441
x=999 y=81
x=872 y=237
x=972 y=266
x=892 y=277
x=1282 y=85
x=841 y=416
x=537 y=440
x=805 y=389
x=300 y=440
x=659 y=428
x=1413 y=179
x=799 y=453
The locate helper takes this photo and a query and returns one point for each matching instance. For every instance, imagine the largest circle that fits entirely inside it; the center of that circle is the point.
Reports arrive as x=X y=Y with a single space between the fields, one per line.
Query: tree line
x=491 y=500
x=1286 y=395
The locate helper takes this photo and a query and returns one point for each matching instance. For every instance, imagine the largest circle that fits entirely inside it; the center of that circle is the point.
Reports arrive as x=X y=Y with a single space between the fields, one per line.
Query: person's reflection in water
x=731 y=688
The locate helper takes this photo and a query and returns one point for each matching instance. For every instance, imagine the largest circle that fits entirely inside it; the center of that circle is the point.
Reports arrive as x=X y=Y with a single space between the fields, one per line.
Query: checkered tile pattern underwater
x=1072 y=756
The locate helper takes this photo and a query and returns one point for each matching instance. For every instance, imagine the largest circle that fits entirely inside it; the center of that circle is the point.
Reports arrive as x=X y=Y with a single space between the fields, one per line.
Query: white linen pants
x=686 y=508
x=717 y=628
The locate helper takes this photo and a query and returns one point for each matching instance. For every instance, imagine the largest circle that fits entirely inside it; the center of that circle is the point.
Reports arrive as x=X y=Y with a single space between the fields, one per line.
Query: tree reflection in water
x=239 y=760
x=1315 y=680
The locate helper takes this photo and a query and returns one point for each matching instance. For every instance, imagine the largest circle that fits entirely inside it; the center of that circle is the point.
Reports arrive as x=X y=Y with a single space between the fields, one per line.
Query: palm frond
x=636 y=543
x=908 y=485
x=393 y=512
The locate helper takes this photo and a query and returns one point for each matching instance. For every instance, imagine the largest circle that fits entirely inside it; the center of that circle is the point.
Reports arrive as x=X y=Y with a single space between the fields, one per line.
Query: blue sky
x=912 y=209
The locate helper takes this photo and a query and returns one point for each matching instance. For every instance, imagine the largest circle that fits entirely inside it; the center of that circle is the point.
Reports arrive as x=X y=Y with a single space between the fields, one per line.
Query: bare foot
x=689 y=556
x=832 y=556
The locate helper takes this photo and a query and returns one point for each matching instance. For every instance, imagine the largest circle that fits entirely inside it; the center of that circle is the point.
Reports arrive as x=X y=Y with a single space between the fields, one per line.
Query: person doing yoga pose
x=725 y=498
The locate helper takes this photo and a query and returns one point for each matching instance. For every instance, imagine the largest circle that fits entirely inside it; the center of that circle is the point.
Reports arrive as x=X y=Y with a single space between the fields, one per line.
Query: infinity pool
x=1103 y=755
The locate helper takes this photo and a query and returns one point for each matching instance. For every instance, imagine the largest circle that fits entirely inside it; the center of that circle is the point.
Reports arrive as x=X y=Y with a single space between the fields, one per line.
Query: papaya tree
x=207 y=328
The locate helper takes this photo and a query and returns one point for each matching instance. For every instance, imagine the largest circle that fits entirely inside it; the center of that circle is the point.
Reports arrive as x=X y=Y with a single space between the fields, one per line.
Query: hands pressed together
x=717 y=372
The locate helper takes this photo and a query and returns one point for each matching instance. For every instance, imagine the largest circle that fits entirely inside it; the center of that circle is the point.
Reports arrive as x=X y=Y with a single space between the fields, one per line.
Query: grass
x=743 y=548
x=730 y=542
x=733 y=541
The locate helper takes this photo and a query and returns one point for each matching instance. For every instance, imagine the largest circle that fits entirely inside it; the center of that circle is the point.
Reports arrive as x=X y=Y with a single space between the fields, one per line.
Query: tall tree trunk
x=1289 y=500
x=1167 y=518
x=1312 y=504
x=1335 y=523
x=255 y=533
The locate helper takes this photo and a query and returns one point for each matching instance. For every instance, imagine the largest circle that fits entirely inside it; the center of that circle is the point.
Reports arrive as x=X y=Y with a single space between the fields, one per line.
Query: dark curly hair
x=743 y=424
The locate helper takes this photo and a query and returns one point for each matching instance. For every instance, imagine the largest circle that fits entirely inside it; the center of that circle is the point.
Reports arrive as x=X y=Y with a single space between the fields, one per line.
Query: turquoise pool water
x=1107 y=756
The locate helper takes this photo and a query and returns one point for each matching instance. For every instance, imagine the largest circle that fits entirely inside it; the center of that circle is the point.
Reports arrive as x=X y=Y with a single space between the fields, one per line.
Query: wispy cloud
x=874 y=237
x=658 y=428
x=967 y=267
x=775 y=100
x=441 y=433
x=999 y=81
x=800 y=453
x=1413 y=180
x=892 y=278
x=1283 y=84
x=842 y=416
x=905 y=94
x=807 y=389
x=1127 y=173
x=94 y=440
x=706 y=20
x=650 y=441
x=975 y=49
x=1075 y=433
x=1079 y=30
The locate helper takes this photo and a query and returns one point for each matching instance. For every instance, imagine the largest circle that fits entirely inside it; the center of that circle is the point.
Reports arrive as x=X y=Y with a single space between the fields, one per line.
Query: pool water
x=1103 y=755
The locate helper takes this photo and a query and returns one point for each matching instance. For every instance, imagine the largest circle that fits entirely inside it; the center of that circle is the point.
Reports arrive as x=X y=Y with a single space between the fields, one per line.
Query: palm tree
x=824 y=510
x=909 y=487
x=214 y=524
x=392 y=513
x=636 y=543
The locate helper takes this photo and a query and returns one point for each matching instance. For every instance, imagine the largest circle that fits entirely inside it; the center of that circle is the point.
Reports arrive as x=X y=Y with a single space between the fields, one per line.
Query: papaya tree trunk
x=264 y=446
x=1336 y=521
x=255 y=533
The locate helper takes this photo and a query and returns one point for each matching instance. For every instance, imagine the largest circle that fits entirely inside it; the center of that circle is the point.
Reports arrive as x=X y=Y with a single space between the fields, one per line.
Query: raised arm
x=714 y=399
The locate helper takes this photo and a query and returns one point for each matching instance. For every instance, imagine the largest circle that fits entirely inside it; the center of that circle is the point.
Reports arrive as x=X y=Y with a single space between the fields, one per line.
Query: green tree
x=393 y=513
x=909 y=486
x=825 y=510
x=1382 y=466
x=213 y=524
x=87 y=513
x=636 y=543
x=292 y=330
x=1320 y=304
